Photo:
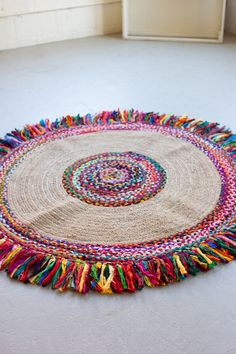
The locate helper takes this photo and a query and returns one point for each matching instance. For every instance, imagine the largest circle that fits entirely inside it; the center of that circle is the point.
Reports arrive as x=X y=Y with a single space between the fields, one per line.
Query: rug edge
x=23 y=264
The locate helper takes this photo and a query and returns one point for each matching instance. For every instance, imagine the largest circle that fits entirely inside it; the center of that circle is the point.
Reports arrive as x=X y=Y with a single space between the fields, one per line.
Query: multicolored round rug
x=116 y=201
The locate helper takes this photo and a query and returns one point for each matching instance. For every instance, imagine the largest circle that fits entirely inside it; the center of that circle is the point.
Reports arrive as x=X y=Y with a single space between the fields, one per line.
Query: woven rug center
x=114 y=179
x=90 y=187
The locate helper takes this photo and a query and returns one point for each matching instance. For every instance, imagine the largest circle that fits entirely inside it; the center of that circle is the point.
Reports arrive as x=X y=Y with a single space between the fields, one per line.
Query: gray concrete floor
x=195 y=316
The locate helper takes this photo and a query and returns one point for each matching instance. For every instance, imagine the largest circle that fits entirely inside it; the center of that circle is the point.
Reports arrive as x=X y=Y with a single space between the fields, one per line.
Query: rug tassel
x=105 y=283
x=107 y=278
x=182 y=270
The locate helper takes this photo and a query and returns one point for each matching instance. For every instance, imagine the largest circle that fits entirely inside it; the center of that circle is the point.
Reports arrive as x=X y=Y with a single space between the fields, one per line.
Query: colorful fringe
x=60 y=272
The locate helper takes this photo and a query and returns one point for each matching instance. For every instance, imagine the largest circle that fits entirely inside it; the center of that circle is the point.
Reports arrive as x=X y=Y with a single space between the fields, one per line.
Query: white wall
x=28 y=22
x=231 y=16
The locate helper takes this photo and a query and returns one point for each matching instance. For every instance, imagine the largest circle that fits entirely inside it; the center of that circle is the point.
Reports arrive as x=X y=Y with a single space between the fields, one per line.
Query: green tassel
x=122 y=278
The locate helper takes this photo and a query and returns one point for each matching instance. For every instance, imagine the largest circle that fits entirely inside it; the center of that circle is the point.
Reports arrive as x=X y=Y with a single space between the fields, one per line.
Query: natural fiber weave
x=116 y=201
x=37 y=196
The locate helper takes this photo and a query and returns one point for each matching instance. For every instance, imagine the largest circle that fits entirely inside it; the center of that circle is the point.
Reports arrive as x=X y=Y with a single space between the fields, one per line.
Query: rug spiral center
x=114 y=179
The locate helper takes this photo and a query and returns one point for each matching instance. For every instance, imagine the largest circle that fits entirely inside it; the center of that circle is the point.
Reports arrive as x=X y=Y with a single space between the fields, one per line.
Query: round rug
x=116 y=201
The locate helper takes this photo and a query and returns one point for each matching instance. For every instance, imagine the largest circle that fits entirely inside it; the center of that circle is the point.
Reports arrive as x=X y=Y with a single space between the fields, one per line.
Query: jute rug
x=116 y=201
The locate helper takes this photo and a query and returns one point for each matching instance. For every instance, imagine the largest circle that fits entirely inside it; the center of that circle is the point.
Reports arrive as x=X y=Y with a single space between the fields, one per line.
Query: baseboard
x=60 y=24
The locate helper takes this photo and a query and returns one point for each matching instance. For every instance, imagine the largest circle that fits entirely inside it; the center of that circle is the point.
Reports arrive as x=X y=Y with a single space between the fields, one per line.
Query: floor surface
x=195 y=316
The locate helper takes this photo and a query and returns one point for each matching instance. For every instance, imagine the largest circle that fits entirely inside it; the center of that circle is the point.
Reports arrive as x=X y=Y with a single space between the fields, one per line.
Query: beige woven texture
x=37 y=197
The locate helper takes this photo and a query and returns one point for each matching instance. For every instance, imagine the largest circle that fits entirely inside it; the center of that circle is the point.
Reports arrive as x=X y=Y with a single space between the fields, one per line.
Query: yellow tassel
x=98 y=265
x=163 y=119
x=195 y=258
x=193 y=125
x=105 y=284
x=209 y=261
x=63 y=272
x=52 y=259
x=221 y=136
x=63 y=267
x=227 y=258
x=122 y=117
x=182 y=119
x=102 y=279
x=81 y=283
x=147 y=282
x=180 y=265
x=10 y=256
